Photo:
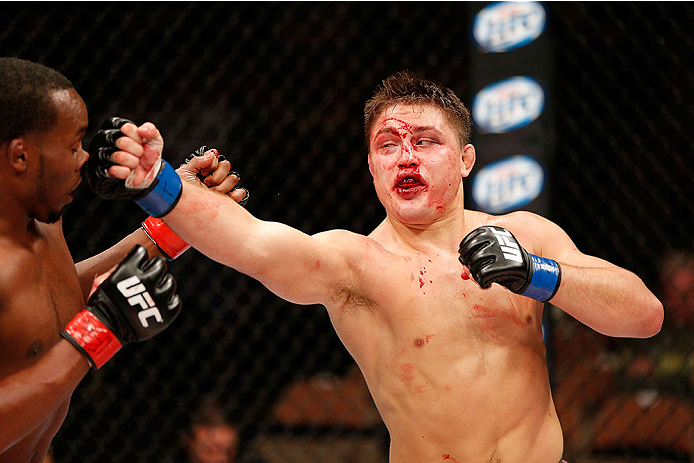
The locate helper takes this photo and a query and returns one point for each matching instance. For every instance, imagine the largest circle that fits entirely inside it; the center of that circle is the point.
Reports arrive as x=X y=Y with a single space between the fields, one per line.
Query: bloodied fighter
x=440 y=306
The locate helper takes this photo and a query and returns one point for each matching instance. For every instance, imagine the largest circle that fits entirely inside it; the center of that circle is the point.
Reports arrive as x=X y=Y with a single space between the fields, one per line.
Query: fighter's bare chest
x=425 y=295
x=42 y=304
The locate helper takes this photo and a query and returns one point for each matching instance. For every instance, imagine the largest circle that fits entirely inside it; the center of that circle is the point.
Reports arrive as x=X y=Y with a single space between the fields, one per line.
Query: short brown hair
x=405 y=87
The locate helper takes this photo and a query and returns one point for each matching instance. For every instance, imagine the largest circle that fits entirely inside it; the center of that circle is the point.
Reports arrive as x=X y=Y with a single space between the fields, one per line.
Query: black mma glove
x=158 y=194
x=201 y=152
x=168 y=242
x=136 y=302
x=493 y=255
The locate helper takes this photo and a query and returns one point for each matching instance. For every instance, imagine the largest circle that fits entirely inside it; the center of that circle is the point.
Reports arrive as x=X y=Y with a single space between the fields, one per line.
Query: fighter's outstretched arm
x=608 y=298
x=295 y=266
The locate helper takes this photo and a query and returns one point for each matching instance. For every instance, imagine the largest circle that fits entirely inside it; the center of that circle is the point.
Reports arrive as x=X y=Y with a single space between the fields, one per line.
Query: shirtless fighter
x=42 y=291
x=453 y=355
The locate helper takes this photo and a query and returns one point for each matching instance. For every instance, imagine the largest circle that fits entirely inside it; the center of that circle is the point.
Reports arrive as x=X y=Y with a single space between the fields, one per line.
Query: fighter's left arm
x=603 y=296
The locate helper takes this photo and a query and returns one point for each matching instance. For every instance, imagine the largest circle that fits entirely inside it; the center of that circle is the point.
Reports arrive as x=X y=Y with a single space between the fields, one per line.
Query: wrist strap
x=164 y=192
x=168 y=242
x=545 y=279
x=91 y=337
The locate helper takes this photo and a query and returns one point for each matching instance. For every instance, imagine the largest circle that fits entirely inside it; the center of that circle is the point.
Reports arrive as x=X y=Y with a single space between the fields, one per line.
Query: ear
x=469 y=157
x=17 y=154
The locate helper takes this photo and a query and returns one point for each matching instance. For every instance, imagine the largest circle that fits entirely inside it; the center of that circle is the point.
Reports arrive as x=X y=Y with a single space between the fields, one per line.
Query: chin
x=414 y=217
x=53 y=216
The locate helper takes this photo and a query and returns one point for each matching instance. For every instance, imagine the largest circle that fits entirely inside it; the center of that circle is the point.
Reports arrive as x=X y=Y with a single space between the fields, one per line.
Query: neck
x=15 y=220
x=444 y=233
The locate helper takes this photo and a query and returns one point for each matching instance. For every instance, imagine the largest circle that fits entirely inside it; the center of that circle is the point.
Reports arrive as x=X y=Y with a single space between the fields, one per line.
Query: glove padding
x=494 y=255
x=201 y=152
x=100 y=149
x=135 y=303
x=169 y=243
x=157 y=194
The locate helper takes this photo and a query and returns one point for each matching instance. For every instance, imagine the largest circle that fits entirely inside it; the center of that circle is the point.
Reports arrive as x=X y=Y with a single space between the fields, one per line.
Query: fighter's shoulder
x=529 y=228
x=345 y=240
x=351 y=246
x=518 y=220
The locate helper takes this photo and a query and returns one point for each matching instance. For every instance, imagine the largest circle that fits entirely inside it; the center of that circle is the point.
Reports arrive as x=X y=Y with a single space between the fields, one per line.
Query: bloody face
x=416 y=163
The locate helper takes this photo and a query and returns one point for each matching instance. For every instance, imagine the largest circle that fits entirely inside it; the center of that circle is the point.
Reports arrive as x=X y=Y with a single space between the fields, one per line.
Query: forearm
x=29 y=396
x=218 y=227
x=611 y=300
x=88 y=269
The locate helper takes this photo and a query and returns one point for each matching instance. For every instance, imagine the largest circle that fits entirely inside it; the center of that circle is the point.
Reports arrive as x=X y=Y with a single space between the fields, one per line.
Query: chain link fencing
x=279 y=89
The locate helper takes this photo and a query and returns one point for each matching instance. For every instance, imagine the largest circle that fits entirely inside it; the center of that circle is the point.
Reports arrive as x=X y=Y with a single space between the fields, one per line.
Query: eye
x=388 y=146
x=425 y=142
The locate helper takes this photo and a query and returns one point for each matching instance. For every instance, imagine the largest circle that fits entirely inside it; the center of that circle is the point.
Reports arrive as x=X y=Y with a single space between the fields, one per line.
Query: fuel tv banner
x=511 y=63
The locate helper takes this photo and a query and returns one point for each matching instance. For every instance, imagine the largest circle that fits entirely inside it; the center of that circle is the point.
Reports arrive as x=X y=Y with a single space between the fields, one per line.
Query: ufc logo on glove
x=493 y=255
x=508 y=245
x=134 y=290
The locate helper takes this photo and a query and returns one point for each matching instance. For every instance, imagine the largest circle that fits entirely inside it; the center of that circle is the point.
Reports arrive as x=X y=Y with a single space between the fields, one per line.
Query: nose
x=83 y=158
x=407 y=158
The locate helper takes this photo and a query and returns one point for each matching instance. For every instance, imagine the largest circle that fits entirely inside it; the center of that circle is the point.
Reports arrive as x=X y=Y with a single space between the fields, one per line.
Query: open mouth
x=77 y=185
x=407 y=182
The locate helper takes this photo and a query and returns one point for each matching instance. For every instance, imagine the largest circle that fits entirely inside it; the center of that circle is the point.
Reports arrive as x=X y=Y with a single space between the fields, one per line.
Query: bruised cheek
x=440 y=195
x=381 y=170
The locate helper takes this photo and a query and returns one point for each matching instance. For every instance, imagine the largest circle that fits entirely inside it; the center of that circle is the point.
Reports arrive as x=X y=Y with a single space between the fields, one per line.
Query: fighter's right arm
x=295 y=266
x=30 y=395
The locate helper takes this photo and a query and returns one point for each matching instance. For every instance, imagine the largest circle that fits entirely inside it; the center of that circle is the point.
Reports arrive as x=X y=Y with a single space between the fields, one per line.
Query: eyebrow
x=415 y=129
x=80 y=133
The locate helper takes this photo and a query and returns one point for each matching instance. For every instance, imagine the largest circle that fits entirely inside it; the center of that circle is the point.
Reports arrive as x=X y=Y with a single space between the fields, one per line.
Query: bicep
x=552 y=242
x=294 y=265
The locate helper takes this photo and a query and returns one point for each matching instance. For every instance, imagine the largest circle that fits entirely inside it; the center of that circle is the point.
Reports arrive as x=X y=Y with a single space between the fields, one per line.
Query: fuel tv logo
x=508 y=104
x=505 y=26
x=508 y=184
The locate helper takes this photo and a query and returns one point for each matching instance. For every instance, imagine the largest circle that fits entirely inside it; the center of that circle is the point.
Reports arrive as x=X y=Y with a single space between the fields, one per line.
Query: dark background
x=279 y=89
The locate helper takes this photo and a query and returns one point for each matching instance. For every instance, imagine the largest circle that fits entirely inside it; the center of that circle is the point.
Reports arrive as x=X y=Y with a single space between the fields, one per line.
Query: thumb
x=197 y=164
x=209 y=159
x=148 y=131
x=98 y=279
x=466 y=274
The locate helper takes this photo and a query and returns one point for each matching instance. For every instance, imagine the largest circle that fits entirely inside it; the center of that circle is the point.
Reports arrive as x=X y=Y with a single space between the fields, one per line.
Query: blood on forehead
x=402 y=125
x=402 y=128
